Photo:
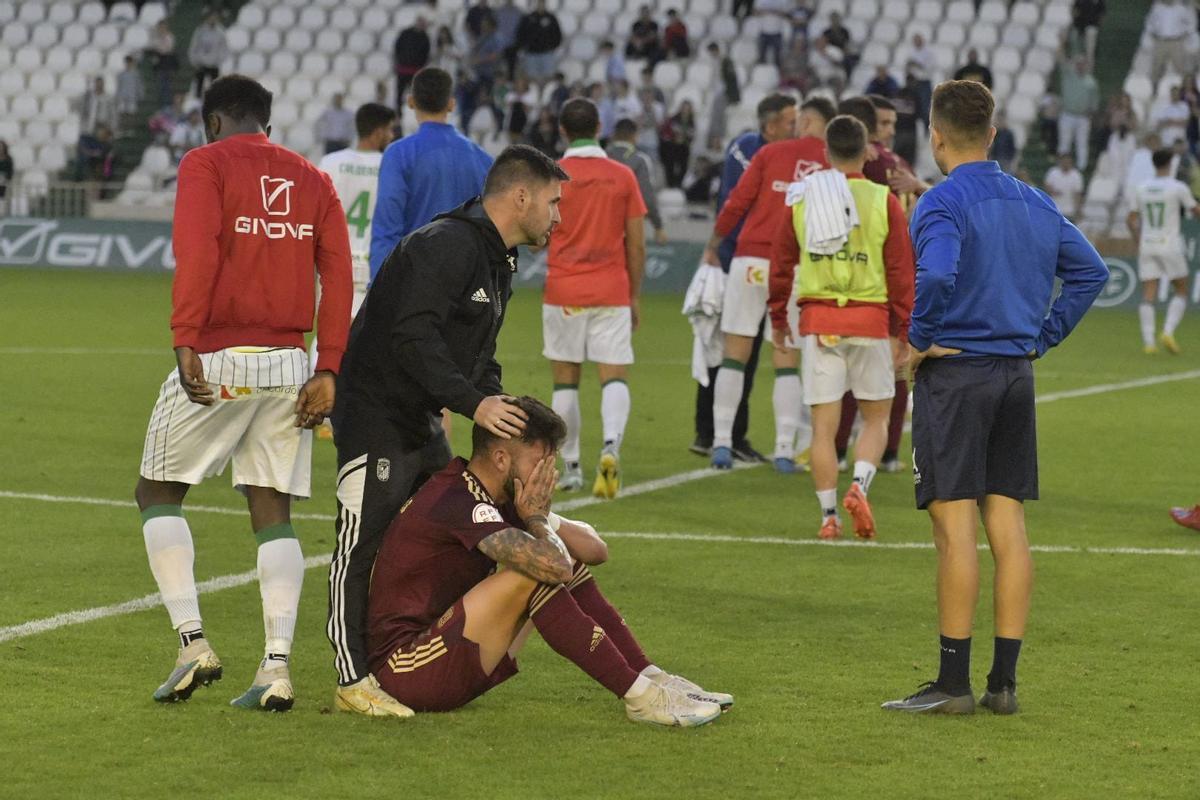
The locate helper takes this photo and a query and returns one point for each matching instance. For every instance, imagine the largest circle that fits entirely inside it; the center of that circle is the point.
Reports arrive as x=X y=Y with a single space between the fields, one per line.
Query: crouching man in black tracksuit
x=424 y=340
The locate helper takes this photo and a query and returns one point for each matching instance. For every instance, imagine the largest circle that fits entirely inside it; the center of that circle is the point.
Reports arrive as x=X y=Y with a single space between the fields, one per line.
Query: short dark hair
x=846 y=138
x=520 y=163
x=431 y=90
x=861 y=109
x=542 y=426
x=881 y=102
x=1162 y=157
x=820 y=105
x=772 y=104
x=238 y=98
x=579 y=119
x=625 y=128
x=370 y=117
x=962 y=112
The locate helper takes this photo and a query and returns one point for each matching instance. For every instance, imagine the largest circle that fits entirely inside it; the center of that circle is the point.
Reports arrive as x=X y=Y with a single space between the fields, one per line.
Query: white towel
x=702 y=306
x=829 y=210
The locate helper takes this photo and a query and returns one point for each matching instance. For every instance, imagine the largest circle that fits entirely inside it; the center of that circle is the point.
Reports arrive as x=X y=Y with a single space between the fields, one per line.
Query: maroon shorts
x=439 y=670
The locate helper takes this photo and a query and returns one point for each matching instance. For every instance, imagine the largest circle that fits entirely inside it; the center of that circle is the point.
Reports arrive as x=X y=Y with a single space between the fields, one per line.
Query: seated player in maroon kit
x=476 y=560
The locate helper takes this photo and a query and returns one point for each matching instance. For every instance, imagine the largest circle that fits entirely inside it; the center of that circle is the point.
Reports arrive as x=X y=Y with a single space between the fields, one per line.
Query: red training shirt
x=429 y=558
x=759 y=193
x=251 y=221
x=587 y=264
x=871 y=320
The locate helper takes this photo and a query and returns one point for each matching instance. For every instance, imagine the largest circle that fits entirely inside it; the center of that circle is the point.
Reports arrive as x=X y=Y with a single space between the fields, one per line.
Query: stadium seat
x=12 y=83
x=8 y=11
x=31 y=13
x=984 y=36
x=67 y=132
x=1047 y=37
x=266 y=40
x=672 y=203
x=114 y=62
x=1057 y=15
x=1026 y=13
x=886 y=31
x=38 y=130
x=1022 y=109
x=583 y=48
x=704 y=8
x=10 y=129
x=298 y=41
x=1016 y=35
x=56 y=108
x=377 y=65
x=311 y=111
x=91 y=13
x=1139 y=87
x=765 y=76
x=1040 y=60
x=16 y=34
x=136 y=38
x=1006 y=59
x=51 y=157
x=345 y=19
x=312 y=19
x=58 y=60
x=951 y=33
x=596 y=71
x=898 y=10
x=572 y=70
x=251 y=17
x=700 y=73
x=251 y=63
x=1103 y=189
x=330 y=42
x=751 y=27
x=122 y=12
x=23 y=107
x=152 y=14
x=864 y=9
x=330 y=85
x=1002 y=85
x=597 y=26
x=363 y=43
x=27 y=59
x=744 y=52
x=73 y=83
x=1031 y=84
x=283 y=62
x=237 y=38
x=35 y=182
x=284 y=113
x=362 y=89
x=993 y=11
x=946 y=57
x=42 y=83
x=723 y=29
x=281 y=18
x=44 y=35
x=106 y=37
x=580 y=7
x=960 y=11
x=568 y=23
x=346 y=66
x=928 y=11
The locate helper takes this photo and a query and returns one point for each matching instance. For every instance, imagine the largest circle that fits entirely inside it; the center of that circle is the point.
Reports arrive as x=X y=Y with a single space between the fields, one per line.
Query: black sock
x=888 y=455
x=189 y=636
x=1004 y=664
x=841 y=454
x=955 y=672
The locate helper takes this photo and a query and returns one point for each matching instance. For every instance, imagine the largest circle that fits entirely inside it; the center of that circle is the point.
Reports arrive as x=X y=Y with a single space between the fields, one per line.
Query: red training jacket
x=251 y=220
x=760 y=192
x=854 y=319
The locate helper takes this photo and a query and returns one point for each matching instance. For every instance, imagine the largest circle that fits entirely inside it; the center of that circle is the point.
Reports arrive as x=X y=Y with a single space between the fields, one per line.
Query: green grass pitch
x=809 y=638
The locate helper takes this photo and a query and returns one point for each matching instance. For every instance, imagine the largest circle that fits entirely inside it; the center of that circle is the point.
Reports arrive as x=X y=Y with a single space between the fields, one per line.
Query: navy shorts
x=974 y=429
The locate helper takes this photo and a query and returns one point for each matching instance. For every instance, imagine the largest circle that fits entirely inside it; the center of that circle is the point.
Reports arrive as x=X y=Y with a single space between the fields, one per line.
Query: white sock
x=169 y=547
x=804 y=432
x=280 y=576
x=727 y=393
x=614 y=411
x=1146 y=315
x=828 y=500
x=651 y=671
x=864 y=473
x=788 y=400
x=565 y=403
x=640 y=685
x=1175 y=309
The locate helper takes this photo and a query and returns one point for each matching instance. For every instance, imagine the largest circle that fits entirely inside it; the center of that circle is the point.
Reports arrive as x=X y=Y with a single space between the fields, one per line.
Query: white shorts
x=1161 y=266
x=862 y=366
x=187 y=442
x=745 y=296
x=600 y=334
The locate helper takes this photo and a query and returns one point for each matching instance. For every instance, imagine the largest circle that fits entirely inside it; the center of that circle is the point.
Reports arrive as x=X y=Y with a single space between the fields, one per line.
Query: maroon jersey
x=429 y=559
x=879 y=169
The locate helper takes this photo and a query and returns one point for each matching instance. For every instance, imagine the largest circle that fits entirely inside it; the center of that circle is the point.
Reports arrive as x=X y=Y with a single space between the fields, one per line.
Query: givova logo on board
x=81 y=243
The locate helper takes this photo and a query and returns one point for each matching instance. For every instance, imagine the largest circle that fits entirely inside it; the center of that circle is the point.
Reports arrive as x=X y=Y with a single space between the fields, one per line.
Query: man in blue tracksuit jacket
x=433 y=171
x=988 y=250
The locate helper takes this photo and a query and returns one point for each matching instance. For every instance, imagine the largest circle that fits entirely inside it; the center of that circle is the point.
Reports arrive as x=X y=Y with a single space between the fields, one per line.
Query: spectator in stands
x=166 y=118
x=94 y=157
x=1049 y=110
x=922 y=56
x=614 y=62
x=162 y=58
x=189 y=133
x=335 y=126
x=648 y=85
x=973 y=70
x=410 y=54
x=1120 y=146
x=742 y=8
x=520 y=104
x=486 y=56
x=675 y=143
x=837 y=35
x=883 y=84
x=794 y=71
x=1170 y=118
x=1086 y=16
x=539 y=37
x=800 y=16
x=1004 y=146
x=1170 y=23
x=544 y=134
x=729 y=95
x=917 y=84
x=828 y=64
x=620 y=102
x=207 y=50
x=97 y=107
x=701 y=181
x=907 y=102
x=476 y=16
x=1064 y=184
x=1140 y=167
x=559 y=95
x=623 y=148
x=1120 y=115
x=448 y=53
x=6 y=174
x=1080 y=101
x=650 y=118
x=675 y=37
x=130 y=88
x=773 y=17
x=508 y=20
x=643 y=38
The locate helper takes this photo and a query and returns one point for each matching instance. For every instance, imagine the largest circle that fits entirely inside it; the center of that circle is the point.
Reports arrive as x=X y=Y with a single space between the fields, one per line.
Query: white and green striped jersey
x=355 y=175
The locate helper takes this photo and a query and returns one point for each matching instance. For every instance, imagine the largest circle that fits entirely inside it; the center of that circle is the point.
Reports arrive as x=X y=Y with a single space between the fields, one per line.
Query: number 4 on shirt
x=356 y=215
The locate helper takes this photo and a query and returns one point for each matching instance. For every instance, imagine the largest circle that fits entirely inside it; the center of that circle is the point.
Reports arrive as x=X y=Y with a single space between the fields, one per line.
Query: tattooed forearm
x=539 y=559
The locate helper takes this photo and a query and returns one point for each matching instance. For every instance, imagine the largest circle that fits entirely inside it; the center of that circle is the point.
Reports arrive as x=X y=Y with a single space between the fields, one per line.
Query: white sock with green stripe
x=1175 y=308
x=172 y=556
x=615 y=405
x=280 y=577
x=788 y=401
x=1146 y=318
x=727 y=394
x=565 y=402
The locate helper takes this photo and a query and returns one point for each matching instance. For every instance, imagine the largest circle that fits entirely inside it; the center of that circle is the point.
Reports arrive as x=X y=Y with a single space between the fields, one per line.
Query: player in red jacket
x=253 y=223
x=759 y=199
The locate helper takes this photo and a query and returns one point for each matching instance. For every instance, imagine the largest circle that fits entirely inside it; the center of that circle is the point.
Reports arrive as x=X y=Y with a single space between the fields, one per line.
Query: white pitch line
x=85 y=351
x=223 y=582
x=1105 y=388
